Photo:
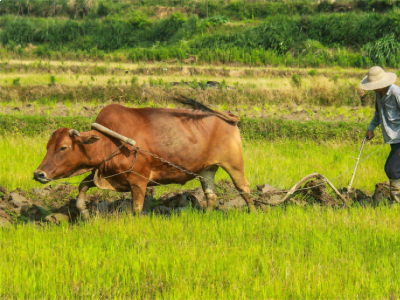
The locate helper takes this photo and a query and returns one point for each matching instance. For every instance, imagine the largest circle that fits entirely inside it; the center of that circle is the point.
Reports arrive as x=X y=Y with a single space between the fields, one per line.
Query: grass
x=132 y=66
x=284 y=253
x=251 y=86
x=280 y=163
x=77 y=73
x=123 y=80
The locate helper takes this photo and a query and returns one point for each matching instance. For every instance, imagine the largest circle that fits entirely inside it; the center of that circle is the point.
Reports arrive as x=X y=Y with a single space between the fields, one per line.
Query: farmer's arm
x=374 y=123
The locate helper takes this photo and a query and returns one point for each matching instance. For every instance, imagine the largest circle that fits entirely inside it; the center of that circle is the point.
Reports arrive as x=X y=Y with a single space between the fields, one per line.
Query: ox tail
x=227 y=117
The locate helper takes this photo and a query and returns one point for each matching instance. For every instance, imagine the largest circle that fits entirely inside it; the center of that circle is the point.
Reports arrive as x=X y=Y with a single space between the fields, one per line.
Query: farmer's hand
x=370 y=135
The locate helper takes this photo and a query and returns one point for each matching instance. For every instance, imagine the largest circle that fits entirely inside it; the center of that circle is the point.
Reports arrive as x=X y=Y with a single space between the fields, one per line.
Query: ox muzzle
x=41 y=176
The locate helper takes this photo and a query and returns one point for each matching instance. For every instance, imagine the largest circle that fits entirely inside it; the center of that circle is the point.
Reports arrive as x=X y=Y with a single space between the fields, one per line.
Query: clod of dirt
x=3 y=191
x=382 y=192
x=197 y=199
x=70 y=210
x=36 y=212
x=121 y=205
x=162 y=210
x=150 y=192
x=4 y=223
x=55 y=205
x=319 y=193
x=237 y=203
x=357 y=196
x=102 y=207
x=266 y=200
x=42 y=193
x=18 y=201
x=59 y=192
x=268 y=195
x=266 y=188
x=57 y=218
x=177 y=200
x=149 y=203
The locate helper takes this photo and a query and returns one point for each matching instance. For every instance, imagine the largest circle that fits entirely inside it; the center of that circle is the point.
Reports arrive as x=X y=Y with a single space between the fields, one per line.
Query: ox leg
x=80 y=202
x=242 y=185
x=208 y=185
x=138 y=191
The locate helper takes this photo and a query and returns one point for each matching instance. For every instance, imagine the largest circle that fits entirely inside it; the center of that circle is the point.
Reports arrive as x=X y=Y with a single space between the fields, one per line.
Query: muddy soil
x=57 y=204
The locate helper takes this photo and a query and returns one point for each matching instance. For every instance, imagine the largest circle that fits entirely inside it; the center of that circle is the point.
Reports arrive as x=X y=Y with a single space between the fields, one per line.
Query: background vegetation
x=298 y=33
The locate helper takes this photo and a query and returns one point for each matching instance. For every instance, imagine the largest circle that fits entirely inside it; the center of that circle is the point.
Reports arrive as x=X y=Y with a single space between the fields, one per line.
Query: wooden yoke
x=111 y=133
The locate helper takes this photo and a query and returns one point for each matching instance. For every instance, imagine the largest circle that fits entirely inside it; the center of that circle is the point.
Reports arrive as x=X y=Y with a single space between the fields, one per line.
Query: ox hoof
x=85 y=214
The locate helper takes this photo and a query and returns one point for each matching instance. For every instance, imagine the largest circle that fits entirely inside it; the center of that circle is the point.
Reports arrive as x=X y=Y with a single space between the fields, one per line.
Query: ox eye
x=63 y=148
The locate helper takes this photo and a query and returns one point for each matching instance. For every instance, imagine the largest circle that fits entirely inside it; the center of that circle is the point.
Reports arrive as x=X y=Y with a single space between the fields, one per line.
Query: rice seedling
x=284 y=253
x=264 y=162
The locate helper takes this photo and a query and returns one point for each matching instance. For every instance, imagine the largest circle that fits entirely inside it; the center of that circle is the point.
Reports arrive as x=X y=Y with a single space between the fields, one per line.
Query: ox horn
x=73 y=132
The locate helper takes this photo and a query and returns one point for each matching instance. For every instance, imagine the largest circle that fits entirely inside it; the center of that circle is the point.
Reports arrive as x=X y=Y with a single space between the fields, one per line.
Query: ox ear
x=89 y=140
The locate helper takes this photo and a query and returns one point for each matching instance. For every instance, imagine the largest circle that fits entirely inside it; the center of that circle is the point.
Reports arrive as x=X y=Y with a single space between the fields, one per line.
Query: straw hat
x=377 y=79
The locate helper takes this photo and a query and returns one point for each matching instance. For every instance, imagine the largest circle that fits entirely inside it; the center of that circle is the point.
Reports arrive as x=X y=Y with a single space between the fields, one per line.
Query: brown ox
x=199 y=141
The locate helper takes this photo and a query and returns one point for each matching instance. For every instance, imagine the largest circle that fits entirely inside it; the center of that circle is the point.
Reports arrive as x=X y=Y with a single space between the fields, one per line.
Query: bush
x=312 y=72
x=383 y=50
x=52 y=80
x=134 y=80
x=17 y=81
x=296 y=80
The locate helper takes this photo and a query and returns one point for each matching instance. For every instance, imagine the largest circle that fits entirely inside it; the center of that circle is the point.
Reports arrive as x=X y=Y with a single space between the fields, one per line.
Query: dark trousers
x=392 y=165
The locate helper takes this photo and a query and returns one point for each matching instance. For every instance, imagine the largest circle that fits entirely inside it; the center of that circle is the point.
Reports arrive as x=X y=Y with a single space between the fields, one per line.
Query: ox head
x=67 y=155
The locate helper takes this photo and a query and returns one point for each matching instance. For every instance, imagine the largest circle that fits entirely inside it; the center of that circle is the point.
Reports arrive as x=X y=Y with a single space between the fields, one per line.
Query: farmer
x=387 y=114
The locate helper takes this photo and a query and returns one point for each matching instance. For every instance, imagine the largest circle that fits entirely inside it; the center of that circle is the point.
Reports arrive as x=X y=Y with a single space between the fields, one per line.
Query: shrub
x=296 y=80
x=312 y=72
x=134 y=80
x=16 y=81
x=384 y=49
x=52 y=80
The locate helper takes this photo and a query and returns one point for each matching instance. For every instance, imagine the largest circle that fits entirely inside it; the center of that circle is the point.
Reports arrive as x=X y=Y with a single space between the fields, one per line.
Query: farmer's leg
x=392 y=169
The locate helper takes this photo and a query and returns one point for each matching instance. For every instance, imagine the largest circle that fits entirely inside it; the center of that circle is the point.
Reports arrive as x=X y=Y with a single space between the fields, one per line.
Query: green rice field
x=283 y=253
x=280 y=163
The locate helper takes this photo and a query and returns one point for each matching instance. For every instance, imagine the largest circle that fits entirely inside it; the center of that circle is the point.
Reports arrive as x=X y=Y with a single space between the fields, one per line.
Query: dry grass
x=130 y=66
x=262 y=83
